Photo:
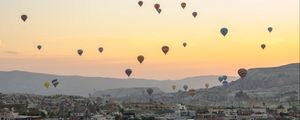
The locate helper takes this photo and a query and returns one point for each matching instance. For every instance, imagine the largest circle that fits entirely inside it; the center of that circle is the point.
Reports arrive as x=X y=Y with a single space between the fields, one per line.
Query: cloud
x=11 y=52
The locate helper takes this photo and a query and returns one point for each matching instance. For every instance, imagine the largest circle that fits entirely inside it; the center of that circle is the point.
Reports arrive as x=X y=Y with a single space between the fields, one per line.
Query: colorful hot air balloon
x=140 y=58
x=79 y=51
x=47 y=84
x=165 y=49
x=185 y=87
x=195 y=14
x=183 y=5
x=242 y=72
x=24 y=17
x=55 y=82
x=270 y=29
x=156 y=6
x=173 y=87
x=128 y=72
x=192 y=92
x=224 y=31
x=263 y=46
x=39 y=47
x=206 y=85
x=184 y=44
x=150 y=91
x=140 y=3
x=100 y=49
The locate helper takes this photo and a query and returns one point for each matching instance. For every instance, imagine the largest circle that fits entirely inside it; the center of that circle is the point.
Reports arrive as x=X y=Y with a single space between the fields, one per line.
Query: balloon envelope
x=224 y=77
x=185 y=87
x=242 y=72
x=183 y=5
x=195 y=14
x=55 y=82
x=150 y=91
x=270 y=29
x=140 y=58
x=128 y=72
x=158 y=10
x=224 y=31
x=39 y=47
x=165 y=49
x=220 y=79
x=263 y=46
x=140 y=3
x=156 y=6
x=184 y=44
x=100 y=49
x=192 y=92
x=24 y=17
x=47 y=84
x=79 y=51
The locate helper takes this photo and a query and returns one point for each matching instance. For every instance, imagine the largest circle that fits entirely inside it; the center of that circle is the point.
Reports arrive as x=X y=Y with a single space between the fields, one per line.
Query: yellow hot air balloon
x=47 y=84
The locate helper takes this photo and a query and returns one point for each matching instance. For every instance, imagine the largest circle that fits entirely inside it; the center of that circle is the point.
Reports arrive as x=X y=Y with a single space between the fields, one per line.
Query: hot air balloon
x=263 y=46
x=140 y=3
x=225 y=83
x=195 y=14
x=173 y=87
x=158 y=10
x=100 y=49
x=183 y=5
x=128 y=72
x=184 y=44
x=185 y=87
x=140 y=58
x=149 y=91
x=206 y=85
x=156 y=6
x=165 y=49
x=47 y=84
x=24 y=17
x=79 y=51
x=192 y=92
x=220 y=79
x=270 y=29
x=39 y=47
x=224 y=77
x=55 y=82
x=242 y=72
x=224 y=31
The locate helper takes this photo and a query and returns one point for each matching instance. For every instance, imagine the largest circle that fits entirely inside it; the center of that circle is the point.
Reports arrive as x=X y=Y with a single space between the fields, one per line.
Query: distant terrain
x=32 y=83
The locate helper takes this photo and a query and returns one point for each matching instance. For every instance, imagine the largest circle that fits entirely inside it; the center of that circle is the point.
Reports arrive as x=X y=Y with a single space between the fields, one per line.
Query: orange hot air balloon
x=165 y=49
x=140 y=58
x=242 y=72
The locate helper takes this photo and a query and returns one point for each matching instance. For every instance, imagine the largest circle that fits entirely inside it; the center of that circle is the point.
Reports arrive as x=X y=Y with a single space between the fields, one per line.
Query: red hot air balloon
x=140 y=3
x=79 y=51
x=165 y=49
x=242 y=72
x=140 y=58
x=156 y=6
x=128 y=72
x=100 y=49
x=24 y=17
x=192 y=92
x=183 y=5
x=195 y=14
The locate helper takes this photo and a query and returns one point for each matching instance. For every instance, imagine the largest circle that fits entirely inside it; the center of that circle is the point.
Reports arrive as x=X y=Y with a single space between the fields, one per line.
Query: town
x=31 y=107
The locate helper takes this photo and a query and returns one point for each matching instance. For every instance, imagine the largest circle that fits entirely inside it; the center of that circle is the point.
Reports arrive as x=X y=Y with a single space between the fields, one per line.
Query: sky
x=126 y=30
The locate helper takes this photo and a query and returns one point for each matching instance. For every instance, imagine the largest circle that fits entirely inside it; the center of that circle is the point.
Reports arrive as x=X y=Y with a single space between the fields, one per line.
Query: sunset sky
x=126 y=30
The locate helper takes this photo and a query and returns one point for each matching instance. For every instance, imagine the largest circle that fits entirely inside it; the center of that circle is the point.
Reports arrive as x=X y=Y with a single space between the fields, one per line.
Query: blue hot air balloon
x=224 y=31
